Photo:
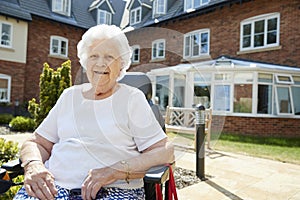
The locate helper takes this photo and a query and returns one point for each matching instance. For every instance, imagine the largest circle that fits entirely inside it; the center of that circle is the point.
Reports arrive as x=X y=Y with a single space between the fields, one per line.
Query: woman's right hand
x=38 y=181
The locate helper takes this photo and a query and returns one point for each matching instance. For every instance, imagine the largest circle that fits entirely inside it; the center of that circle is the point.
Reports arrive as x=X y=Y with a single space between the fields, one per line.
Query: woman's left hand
x=96 y=179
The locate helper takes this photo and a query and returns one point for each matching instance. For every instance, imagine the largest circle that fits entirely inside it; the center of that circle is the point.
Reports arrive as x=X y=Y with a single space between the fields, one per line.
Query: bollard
x=200 y=141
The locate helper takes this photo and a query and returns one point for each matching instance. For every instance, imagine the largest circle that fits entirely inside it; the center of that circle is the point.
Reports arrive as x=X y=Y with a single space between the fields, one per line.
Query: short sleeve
x=143 y=125
x=48 y=128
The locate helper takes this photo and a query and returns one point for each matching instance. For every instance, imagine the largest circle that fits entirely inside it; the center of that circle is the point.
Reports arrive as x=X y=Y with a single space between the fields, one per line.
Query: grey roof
x=80 y=15
x=176 y=10
x=13 y=9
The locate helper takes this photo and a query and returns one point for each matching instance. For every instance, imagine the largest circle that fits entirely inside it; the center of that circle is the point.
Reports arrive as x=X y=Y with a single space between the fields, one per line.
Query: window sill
x=157 y=60
x=7 y=49
x=259 y=50
x=198 y=58
x=58 y=56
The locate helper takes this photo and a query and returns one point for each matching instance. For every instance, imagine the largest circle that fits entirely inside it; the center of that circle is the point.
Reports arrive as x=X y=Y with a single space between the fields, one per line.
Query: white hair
x=105 y=32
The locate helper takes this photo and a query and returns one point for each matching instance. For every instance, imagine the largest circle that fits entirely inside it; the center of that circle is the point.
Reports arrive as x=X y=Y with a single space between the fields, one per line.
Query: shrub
x=5 y=118
x=52 y=84
x=22 y=124
x=9 y=151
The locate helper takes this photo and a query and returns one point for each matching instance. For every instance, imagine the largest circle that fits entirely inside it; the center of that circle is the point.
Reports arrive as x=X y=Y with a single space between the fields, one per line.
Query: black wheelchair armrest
x=13 y=168
x=157 y=174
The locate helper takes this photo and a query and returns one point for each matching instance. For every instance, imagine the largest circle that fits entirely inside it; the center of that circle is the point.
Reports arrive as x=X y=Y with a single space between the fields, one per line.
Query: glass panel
x=136 y=53
x=179 y=92
x=205 y=1
x=266 y=78
x=272 y=37
x=162 y=91
x=296 y=99
x=188 y=4
x=195 y=43
x=132 y=17
x=55 y=46
x=259 y=33
x=5 y=35
x=264 y=101
x=196 y=3
x=154 y=50
x=202 y=95
x=296 y=80
x=222 y=98
x=222 y=77
x=242 y=98
x=202 y=77
x=138 y=17
x=284 y=100
x=3 y=83
x=64 y=48
x=272 y=24
x=187 y=46
x=204 y=43
x=243 y=77
x=246 y=35
x=161 y=49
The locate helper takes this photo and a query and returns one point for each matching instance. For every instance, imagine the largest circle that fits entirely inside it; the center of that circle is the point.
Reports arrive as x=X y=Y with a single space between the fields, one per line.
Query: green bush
x=5 y=118
x=52 y=84
x=22 y=124
x=9 y=151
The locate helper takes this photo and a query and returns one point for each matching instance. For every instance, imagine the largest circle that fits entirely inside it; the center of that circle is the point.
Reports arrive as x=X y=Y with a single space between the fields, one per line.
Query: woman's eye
x=109 y=57
x=93 y=56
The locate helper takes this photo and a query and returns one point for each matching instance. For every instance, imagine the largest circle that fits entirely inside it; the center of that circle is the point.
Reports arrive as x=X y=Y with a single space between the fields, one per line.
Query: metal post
x=200 y=141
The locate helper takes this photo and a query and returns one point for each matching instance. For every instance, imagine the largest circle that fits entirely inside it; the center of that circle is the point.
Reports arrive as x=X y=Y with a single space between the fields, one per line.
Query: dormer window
x=62 y=7
x=104 y=17
x=135 y=15
x=159 y=7
x=193 y=4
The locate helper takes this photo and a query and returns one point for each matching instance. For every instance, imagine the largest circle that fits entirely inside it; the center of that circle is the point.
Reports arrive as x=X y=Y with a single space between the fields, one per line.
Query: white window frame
x=60 y=40
x=191 y=4
x=62 y=7
x=191 y=34
x=156 y=6
x=277 y=78
x=134 y=18
x=107 y=17
x=277 y=100
x=251 y=21
x=157 y=44
x=135 y=47
x=7 y=91
x=10 y=35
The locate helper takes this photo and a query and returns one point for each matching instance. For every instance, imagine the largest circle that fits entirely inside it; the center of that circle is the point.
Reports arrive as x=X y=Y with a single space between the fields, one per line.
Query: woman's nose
x=101 y=62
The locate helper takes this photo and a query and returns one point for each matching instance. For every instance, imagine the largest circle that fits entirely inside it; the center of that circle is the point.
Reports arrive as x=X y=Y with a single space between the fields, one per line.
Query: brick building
x=241 y=58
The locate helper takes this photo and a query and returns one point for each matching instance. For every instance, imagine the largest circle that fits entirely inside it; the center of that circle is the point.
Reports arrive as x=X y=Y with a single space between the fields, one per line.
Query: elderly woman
x=100 y=136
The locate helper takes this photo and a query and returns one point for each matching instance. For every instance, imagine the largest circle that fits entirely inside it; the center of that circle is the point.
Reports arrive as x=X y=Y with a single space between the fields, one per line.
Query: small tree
x=52 y=84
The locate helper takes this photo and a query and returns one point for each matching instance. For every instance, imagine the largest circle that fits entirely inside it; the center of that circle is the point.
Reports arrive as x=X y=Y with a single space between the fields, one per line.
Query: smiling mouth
x=97 y=72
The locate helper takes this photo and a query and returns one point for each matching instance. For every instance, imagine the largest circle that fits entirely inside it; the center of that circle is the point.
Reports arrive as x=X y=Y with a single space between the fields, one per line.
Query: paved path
x=233 y=176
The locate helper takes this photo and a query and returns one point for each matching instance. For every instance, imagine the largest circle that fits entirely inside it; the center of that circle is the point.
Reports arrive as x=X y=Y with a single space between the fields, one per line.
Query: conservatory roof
x=224 y=63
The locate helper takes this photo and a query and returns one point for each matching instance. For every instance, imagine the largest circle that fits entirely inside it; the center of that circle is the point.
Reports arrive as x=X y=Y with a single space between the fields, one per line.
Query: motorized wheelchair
x=156 y=176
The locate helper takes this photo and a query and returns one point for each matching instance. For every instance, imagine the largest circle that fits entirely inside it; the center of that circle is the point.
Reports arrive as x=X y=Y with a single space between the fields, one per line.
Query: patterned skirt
x=103 y=194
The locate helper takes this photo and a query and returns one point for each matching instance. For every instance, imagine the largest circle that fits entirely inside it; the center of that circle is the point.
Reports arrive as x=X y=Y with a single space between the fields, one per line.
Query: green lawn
x=281 y=149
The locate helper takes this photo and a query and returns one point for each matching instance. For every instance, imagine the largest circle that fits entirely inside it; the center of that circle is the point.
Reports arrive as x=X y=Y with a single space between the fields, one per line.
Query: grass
x=274 y=148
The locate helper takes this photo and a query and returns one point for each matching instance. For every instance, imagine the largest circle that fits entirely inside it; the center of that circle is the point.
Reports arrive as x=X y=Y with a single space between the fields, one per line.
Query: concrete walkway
x=232 y=176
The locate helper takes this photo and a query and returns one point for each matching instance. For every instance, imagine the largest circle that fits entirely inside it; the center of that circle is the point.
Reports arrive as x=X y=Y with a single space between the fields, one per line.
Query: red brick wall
x=224 y=25
x=39 y=32
x=263 y=126
x=17 y=73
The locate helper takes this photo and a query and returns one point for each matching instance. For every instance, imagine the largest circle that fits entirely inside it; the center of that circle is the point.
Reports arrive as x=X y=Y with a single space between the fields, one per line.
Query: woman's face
x=103 y=66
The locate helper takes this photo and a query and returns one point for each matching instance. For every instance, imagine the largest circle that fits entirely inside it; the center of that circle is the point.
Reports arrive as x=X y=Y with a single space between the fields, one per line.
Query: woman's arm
x=160 y=153
x=38 y=181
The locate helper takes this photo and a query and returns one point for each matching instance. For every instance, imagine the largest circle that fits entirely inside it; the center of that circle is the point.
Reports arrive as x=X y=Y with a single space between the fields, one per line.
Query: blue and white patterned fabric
x=103 y=194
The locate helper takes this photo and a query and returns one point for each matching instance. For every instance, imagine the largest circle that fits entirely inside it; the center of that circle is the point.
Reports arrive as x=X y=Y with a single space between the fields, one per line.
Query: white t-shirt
x=89 y=134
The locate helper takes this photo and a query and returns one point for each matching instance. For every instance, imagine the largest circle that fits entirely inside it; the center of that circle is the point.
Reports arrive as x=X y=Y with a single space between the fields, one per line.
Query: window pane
x=162 y=91
x=161 y=49
x=63 y=48
x=296 y=99
x=264 y=101
x=242 y=98
x=195 y=43
x=259 y=26
x=196 y=3
x=187 y=46
x=284 y=100
x=296 y=80
x=154 y=50
x=243 y=77
x=272 y=37
x=222 y=98
x=247 y=29
x=202 y=77
x=55 y=46
x=3 y=83
x=246 y=41
x=5 y=34
x=266 y=78
x=188 y=4
x=204 y=43
x=132 y=17
x=272 y=24
x=138 y=15
x=202 y=95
